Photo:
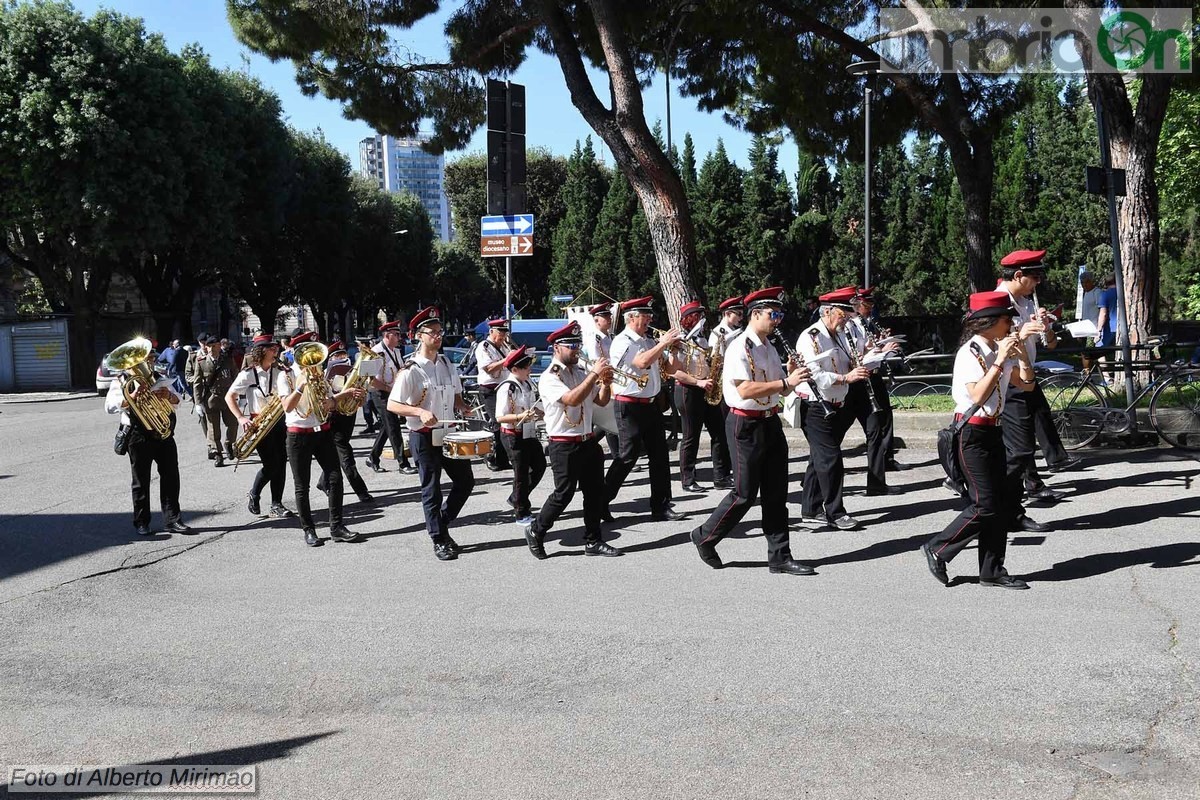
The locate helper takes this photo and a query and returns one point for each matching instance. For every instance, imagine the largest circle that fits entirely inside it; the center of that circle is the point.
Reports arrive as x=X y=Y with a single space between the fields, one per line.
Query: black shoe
x=218 y=460
x=1024 y=523
x=601 y=549
x=813 y=522
x=280 y=511
x=724 y=483
x=492 y=466
x=846 y=523
x=694 y=487
x=673 y=443
x=951 y=486
x=253 y=506
x=443 y=550
x=895 y=466
x=340 y=533
x=143 y=530
x=937 y=567
x=323 y=489
x=310 y=538
x=229 y=454
x=535 y=543
x=453 y=545
x=792 y=567
x=178 y=527
x=1071 y=462
x=1005 y=582
x=366 y=497
x=407 y=469
x=879 y=491
x=708 y=553
x=1044 y=497
x=212 y=454
x=374 y=465
x=667 y=515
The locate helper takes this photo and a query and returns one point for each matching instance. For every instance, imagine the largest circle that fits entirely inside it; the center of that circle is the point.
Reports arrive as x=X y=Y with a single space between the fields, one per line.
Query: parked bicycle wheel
x=1175 y=411
x=1073 y=404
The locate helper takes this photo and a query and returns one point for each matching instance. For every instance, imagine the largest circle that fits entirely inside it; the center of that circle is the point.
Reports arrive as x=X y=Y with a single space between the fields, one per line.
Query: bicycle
x=1081 y=411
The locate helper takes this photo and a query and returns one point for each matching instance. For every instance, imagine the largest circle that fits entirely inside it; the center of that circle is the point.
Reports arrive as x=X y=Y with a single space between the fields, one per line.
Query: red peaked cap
x=1024 y=258
x=498 y=324
x=336 y=346
x=690 y=308
x=394 y=325
x=602 y=310
x=263 y=338
x=733 y=304
x=515 y=358
x=424 y=317
x=866 y=293
x=765 y=297
x=567 y=334
x=307 y=336
x=839 y=297
x=637 y=304
x=990 y=304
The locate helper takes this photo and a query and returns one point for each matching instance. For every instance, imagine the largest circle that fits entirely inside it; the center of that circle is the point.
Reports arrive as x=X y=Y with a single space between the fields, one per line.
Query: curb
x=45 y=397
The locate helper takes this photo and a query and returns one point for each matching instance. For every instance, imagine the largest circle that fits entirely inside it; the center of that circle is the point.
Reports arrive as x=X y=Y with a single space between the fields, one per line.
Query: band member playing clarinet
x=257 y=383
x=871 y=404
x=428 y=394
x=872 y=333
x=753 y=380
x=692 y=381
x=990 y=360
x=829 y=413
x=518 y=410
x=569 y=394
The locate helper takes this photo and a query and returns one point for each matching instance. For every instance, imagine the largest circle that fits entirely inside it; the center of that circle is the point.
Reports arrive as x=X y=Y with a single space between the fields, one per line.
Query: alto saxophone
x=349 y=405
x=260 y=426
x=715 y=393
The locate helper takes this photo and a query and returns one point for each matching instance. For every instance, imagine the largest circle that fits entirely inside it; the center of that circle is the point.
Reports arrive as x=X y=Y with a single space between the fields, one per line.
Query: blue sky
x=552 y=121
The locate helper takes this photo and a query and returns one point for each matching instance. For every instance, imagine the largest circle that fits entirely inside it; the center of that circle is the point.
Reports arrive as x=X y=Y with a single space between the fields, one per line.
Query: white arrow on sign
x=522 y=223
x=526 y=244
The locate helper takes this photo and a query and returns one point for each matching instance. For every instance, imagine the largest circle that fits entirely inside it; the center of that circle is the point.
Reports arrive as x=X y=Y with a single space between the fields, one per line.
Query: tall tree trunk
x=973 y=169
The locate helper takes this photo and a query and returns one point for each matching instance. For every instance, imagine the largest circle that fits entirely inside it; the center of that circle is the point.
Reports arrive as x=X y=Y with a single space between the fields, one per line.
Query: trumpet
x=309 y=357
x=151 y=410
x=620 y=376
x=693 y=350
x=349 y=405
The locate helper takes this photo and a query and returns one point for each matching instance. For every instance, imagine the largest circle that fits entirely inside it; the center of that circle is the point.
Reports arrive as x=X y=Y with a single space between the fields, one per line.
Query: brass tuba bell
x=151 y=410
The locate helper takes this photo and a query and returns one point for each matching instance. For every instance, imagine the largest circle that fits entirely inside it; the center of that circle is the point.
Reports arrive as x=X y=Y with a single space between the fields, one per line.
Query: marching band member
x=877 y=426
x=864 y=306
x=518 y=409
x=822 y=498
x=568 y=394
x=691 y=384
x=489 y=358
x=144 y=449
x=989 y=362
x=427 y=394
x=391 y=365
x=598 y=345
x=639 y=420
x=309 y=439
x=257 y=383
x=341 y=426
x=730 y=325
x=1027 y=416
x=752 y=381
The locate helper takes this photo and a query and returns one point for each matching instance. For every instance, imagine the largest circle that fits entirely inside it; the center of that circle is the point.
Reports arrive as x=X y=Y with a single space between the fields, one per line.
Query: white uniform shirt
x=1025 y=312
x=256 y=384
x=973 y=359
x=626 y=346
x=564 y=420
x=486 y=354
x=116 y=396
x=744 y=348
x=284 y=386
x=721 y=336
x=816 y=339
x=392 y=364
x=597 y=345
x=517 y=397
x=428 y=384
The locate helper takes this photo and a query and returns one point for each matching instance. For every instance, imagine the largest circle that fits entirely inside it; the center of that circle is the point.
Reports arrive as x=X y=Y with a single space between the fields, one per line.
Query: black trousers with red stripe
x=697 y=415
x=992 y=490
x=760 y=466
x=822 y=494
x=529 y=465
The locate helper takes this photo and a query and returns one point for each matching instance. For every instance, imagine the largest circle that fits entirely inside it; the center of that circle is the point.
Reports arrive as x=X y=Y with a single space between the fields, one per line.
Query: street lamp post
x=866 y=68
x=681 y=10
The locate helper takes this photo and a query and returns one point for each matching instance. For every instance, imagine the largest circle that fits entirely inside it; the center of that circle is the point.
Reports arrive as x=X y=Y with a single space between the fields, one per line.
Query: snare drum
x=468 y=445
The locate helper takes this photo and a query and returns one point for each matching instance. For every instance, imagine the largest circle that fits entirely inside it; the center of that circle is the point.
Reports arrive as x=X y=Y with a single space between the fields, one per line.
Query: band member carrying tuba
x=518 y=410
x=692 y=384
x=264 y=407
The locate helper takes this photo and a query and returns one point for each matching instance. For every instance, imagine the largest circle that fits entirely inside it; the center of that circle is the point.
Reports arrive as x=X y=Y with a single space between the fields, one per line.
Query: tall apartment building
x=398 y=164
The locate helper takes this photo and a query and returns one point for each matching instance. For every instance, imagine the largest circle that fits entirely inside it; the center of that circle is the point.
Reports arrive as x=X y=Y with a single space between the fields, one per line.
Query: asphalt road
x=375 y=671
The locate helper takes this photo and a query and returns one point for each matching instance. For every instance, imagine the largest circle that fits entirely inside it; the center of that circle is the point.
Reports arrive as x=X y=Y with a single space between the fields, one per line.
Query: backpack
x=947 y=445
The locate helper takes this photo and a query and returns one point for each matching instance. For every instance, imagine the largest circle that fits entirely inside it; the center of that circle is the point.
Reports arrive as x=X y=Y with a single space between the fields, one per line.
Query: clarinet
x=875 y=409
x=1036 y=308
x=795 y=358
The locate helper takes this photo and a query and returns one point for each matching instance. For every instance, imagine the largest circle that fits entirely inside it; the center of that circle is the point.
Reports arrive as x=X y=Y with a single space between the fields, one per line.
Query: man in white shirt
x=427 y=395
x=518 y=410
x=639 y=420
x=598 y=345
x=873 y=405
x=257 y=383
x=569 y=393
x=391 y=364
x=692 y=384
x=753 y=380
x=489 y=361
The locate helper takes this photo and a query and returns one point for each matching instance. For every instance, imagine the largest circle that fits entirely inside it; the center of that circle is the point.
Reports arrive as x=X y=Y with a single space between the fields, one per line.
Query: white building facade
x=398 y=164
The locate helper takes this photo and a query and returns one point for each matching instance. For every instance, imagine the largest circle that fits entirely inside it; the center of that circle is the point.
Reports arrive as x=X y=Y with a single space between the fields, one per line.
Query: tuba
x=309 y=356
x=151 y=410
x=260 y=426
x=348 y=405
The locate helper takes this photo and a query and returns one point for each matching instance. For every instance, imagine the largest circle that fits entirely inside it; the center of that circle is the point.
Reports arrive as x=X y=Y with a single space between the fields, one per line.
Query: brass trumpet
x=151 y=410
x=694 y=351
x=620 y=376
x=309 y=357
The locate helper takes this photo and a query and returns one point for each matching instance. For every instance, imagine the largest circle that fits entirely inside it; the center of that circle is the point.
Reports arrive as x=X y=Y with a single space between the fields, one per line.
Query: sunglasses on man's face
x=776 y=316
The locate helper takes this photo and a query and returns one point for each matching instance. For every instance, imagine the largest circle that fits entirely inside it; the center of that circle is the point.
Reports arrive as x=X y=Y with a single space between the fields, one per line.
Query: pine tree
x=612 y=239
x=767 y=215
x=583 y=196
x=718 y=215
x=687 y=167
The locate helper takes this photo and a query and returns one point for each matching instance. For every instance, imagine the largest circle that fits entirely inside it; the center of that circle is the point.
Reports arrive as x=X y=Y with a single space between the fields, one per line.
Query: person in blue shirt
x=1107 y=322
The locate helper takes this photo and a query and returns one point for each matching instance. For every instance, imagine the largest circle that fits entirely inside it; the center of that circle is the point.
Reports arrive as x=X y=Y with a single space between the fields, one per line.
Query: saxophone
x=714 y=394
x=260 y=426
x=348 y=406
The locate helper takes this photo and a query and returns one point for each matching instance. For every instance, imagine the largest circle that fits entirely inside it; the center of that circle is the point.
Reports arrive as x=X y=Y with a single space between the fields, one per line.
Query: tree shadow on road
x=1165 y=556
x=1130 y=515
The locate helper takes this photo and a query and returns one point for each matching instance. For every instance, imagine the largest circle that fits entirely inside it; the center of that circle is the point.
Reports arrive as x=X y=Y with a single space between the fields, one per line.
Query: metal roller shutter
x=40 y=356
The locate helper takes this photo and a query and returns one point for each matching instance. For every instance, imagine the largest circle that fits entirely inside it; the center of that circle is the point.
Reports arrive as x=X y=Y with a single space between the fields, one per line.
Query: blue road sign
x=511 y=225
x=562 y=298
